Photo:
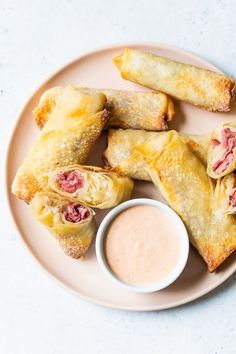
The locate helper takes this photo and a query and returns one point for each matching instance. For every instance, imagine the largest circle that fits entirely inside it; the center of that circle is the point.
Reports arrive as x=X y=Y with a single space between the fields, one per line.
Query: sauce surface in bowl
x=142 y=245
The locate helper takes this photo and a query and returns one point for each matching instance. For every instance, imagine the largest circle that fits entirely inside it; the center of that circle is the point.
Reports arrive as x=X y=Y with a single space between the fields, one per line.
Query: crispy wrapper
x=74 y=237
x=200 y=87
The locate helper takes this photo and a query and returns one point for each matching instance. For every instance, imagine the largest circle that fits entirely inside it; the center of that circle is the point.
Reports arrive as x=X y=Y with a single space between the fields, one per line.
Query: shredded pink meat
x=70 y=181
x=228 y=142
x=221 y=165
x=215 y=142
x=232 y=197
x=75 y=212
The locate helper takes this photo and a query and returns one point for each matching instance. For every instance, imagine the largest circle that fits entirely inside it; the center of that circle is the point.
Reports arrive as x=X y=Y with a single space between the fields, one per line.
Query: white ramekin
x=179 y=226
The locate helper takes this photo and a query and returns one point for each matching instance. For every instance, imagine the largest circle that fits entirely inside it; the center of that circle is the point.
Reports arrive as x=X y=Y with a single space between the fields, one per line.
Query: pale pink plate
x=85 y=278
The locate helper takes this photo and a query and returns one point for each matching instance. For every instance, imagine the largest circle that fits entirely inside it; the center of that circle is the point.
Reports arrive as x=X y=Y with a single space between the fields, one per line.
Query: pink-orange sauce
x=142 y=245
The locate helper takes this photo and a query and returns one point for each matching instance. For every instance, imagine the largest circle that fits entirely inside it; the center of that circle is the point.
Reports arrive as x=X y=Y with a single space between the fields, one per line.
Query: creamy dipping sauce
x=142 y=245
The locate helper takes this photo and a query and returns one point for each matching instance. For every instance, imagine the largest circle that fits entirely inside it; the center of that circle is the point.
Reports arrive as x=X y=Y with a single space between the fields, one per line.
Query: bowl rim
x=101 y=233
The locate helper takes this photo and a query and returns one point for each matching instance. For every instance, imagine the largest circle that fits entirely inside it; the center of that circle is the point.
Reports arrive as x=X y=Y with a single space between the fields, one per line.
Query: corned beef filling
x=215 y=142
x=228 y=142
x=70 y=181
x=75 y=212
x=232 y=197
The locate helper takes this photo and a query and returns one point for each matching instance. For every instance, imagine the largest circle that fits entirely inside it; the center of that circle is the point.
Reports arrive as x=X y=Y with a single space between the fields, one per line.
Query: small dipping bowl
x=183 y=251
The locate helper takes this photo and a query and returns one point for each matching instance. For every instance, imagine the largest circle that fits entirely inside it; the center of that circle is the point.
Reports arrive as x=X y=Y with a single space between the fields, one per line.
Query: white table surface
x=36 y=38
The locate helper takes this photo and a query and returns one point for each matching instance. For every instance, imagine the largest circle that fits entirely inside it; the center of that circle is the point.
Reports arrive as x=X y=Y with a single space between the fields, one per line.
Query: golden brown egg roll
x=200 y=87
x=136 y=110
x=221 y=158
x=93 y=186
x=71 y=222
x=66 y=139
x=182 y=180
x=121 y=153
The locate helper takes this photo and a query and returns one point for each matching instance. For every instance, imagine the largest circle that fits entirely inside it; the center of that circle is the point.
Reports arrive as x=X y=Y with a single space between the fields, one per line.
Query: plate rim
x=7 y=189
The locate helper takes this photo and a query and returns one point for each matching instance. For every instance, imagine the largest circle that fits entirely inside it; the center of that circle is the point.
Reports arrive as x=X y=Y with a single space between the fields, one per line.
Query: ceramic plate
x=85 y=278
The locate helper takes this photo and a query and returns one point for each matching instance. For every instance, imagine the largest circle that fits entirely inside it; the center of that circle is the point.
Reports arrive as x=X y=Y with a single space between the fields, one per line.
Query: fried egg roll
x=221 y=158
x=200 y=87
x=66 y=139
x=182 y=180
x=122 y=154
x=136 y=110
x=71 y=222
x=91 y=185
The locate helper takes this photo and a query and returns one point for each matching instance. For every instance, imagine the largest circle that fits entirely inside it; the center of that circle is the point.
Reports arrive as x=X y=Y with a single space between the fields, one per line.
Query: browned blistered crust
x=47 y=102
x=75 y=248
x=227 y=88
x=214 y=262
x=26 y=186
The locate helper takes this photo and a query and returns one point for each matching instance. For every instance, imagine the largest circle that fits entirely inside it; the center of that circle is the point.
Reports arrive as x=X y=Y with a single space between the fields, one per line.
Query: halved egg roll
x=184 y=183
x=225 y=194
x=91 y=185
x=122 y=154
x=221 y=158
x=136 y=110
x=71 y=222
x=203 y=88
x=66 y=139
